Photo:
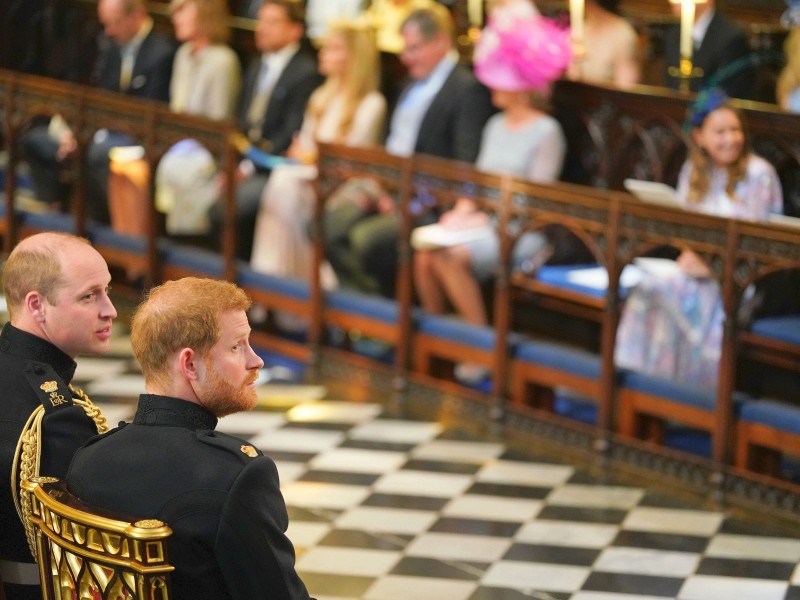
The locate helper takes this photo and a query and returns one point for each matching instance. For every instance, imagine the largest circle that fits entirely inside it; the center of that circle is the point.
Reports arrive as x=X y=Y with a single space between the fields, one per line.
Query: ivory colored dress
x=281 y=245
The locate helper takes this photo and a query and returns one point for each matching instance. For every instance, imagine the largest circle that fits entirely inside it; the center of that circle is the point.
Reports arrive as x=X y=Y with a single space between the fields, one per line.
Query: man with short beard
x=219 y=494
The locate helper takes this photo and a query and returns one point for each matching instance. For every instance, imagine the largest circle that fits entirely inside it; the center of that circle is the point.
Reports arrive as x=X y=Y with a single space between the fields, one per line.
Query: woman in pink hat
x=517 y=59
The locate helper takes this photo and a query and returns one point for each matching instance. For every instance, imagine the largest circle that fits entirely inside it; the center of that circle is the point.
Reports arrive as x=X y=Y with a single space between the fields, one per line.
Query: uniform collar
x=166 y=411
x=22 y=344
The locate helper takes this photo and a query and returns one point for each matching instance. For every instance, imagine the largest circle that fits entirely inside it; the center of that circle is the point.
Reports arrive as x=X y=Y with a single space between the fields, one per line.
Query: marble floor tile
x=633 y=583
x=358 y=461
x=562 y=533
x=348 y=561
x=492 y=508
x=593 y=496
x=334 y=411
x=398 y=587
x=703 y=587
x=666 y=520
x=612 y=596
x=454 y=546
x=458 y=451
x=542 y=553
x=534 y=576
x=646 y=562
x=305 y=534
x=251 y=423
x=300 y=440
x=524 y=473
x=754 y=547
x=396 y=431
x=386 y=520
x=423 y=483
x=323 y=495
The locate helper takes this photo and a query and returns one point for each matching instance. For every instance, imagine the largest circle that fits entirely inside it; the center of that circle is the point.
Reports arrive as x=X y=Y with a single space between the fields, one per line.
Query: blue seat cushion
x=285 y=286
x=372 y=307
x=49 y=221
x=104 y=235
x=785 y=328
x=455 y=330
x=704 y=398
x=560 y=357
x=200 y=261
x=780 y=415
x=559 y=275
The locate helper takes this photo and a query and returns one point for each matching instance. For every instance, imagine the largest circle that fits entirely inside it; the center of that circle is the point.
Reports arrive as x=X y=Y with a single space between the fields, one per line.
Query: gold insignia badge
x=51 y=388
x=48 y=387
x=249 y=451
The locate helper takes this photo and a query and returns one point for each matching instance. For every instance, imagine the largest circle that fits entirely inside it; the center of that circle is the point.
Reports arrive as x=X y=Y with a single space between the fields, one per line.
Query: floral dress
x=671 y=326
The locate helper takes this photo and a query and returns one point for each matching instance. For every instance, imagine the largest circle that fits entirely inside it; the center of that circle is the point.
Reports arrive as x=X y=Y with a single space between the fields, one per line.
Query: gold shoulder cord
x=28 y=456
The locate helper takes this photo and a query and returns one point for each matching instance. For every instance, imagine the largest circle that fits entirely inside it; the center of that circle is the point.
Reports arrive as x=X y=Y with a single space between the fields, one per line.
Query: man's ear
x=34 y=305
x=188 y=362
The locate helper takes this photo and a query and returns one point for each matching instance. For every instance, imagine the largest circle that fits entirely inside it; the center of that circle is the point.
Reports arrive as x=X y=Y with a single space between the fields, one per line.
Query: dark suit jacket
x=219 y=494
x=453 y=125
x=724 y=43
x=151 y=71
x=287 y=104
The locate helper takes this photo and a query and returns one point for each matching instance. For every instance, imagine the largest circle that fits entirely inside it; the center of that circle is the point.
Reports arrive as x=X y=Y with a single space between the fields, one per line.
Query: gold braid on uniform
x=28 y=456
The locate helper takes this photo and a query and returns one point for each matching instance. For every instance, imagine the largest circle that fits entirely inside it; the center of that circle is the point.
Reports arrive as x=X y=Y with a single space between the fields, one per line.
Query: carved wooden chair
x=86 y=554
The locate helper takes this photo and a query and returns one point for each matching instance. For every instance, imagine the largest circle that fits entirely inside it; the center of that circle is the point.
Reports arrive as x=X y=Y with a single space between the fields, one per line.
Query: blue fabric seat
x=559 y=275
x=48 y=221
x=785 y=328
x=682 y=393
x=104 y=235
x=457 y=331
x=290 y=287
x=199 y=261
x=560 y=357
x=772 y=413
x=371 y=307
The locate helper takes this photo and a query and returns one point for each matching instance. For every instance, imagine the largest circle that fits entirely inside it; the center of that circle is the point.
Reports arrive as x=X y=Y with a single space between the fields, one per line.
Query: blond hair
x=184 y=313
x=360 y=78
x=35 y=265
x=701 y=169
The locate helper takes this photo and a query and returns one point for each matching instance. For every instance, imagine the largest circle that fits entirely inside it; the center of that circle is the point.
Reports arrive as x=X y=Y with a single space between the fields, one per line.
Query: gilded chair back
x=86 y=554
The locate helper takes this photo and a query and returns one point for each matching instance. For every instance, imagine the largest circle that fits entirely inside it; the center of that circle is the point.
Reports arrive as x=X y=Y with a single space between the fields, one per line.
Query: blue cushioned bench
x=766 y=430
x=280 y=293
x=183 y=261
x=449 y=338
x=785 y=328
x=646 y=402
x=539 y=366
x=36 y=222
x=371 y=316
x=559 y=275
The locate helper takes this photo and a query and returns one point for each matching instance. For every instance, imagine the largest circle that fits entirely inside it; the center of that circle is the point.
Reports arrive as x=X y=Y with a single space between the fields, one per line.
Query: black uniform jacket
x=219 y=495
x=33 y=372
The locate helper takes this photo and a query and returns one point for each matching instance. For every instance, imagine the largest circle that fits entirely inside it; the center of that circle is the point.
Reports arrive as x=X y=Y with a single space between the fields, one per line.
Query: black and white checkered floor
x=389 y=509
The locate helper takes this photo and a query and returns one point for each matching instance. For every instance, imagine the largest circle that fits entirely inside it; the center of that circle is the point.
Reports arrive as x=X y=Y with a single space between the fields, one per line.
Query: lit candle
x=687 y=24
x=475 y=12
x=576 y=23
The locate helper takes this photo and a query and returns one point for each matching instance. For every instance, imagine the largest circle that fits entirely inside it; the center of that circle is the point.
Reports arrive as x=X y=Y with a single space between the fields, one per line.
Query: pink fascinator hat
x=522 y=54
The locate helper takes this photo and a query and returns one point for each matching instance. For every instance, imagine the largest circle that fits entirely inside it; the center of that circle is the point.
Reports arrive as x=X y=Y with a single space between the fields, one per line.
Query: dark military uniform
x=219 y=495
x=33 y=372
